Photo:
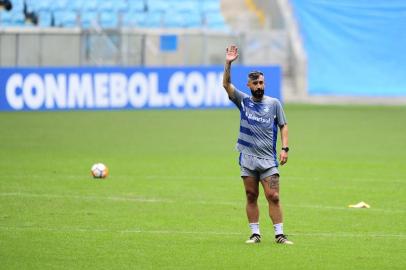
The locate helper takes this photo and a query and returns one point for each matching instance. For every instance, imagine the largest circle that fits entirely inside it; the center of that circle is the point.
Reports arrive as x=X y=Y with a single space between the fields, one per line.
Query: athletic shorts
x=259 y=168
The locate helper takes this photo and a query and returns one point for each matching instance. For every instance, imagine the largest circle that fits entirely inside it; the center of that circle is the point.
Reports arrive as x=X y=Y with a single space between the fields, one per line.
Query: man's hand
x=283 y=157
x=231 y=53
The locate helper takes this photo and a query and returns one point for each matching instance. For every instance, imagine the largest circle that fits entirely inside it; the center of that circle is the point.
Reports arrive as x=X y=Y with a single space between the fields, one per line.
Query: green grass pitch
x=174 y=199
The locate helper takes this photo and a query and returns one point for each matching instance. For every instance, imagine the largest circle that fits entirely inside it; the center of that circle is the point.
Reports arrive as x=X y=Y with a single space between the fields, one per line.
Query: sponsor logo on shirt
x=257 y=118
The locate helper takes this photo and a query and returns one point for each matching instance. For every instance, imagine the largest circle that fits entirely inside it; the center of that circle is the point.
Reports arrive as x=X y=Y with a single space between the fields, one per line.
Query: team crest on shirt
x=266 y=109
x=251 y=104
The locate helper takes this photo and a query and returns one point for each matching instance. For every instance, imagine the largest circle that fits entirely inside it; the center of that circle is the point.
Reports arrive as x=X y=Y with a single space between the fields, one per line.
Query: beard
x=258 y=94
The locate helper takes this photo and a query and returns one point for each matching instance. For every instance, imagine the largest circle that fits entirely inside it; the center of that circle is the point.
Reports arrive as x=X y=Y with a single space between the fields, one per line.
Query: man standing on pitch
x=260 y=118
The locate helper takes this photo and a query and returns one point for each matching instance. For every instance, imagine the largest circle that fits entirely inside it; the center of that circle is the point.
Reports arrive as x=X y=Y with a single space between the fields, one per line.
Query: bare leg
x=251 y=191
x=271 y=190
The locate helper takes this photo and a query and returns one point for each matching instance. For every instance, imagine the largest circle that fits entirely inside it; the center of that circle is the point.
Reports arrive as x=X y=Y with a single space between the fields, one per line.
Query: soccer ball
x=99 y=170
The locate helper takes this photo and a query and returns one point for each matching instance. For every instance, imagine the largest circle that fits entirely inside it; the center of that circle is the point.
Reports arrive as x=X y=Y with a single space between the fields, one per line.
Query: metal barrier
x=129 y=47
x=74 y=47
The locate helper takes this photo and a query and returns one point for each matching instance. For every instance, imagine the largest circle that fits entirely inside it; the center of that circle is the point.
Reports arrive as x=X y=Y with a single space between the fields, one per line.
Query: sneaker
x=254 y=238
x=282 y=239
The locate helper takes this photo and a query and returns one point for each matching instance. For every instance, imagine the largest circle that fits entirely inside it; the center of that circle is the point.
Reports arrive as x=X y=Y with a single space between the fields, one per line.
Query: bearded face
x=258 y=93
x=256 y=84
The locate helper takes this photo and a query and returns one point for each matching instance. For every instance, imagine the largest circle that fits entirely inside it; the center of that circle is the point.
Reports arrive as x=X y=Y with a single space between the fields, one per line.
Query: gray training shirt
x=259 y=125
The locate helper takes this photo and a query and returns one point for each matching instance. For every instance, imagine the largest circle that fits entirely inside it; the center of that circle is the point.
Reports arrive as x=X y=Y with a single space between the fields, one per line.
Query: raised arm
x=231 y=55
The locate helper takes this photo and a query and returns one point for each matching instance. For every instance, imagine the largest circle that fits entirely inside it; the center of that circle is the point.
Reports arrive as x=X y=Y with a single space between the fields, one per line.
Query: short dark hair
x=254 y=75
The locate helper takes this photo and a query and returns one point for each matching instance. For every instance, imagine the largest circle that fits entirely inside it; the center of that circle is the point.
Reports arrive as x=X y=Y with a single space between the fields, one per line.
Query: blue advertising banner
x=87 y=88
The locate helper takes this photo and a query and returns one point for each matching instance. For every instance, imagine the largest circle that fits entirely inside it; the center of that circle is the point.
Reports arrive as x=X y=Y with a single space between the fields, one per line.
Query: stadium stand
x=117 y=14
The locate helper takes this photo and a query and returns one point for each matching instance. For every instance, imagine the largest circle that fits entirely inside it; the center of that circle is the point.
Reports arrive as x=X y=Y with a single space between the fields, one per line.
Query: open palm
x=231 y=53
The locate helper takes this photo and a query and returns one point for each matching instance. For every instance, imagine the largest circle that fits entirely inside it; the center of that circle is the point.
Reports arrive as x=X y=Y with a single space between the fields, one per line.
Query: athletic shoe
x=254 y=238
x=282 y=239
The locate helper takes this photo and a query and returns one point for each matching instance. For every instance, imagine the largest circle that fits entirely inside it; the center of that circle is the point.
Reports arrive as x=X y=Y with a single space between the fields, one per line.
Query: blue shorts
x=259 y=168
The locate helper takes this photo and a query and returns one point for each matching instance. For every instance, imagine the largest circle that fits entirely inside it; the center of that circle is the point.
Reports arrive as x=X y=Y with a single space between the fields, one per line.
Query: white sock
x=254 y=228
x=278 y=228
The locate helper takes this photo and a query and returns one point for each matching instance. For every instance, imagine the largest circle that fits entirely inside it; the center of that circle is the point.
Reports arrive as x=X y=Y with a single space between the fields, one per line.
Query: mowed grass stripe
x=166 y=200
x=101 y=230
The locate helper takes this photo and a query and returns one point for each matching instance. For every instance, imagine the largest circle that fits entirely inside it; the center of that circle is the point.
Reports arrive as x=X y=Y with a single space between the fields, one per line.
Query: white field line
x=176 y=232
x=213 y=177
x=192 y=177
x=236 y=177
x=162 y=200
x=84 y=197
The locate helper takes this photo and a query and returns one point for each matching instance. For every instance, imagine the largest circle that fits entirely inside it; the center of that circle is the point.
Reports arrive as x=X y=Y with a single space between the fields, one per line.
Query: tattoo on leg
x=274 y=182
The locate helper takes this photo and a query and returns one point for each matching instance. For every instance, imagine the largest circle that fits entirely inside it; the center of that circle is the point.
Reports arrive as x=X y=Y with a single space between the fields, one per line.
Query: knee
x=251 y=196
x=273 y=198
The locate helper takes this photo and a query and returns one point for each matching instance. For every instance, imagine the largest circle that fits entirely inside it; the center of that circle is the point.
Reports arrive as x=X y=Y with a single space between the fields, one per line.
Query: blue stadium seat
x=182 y=19
x=47 y=5
x=153 y=19
x=11 y=18
x=106 y=6
x=18 y=5
x=185 y=5
x=113 y=6
x=135 y=19
x=45 y=18
x=157 y=6
x=174 y=19
x=76 y=5
x=216 y=21
x=210 y=6
x=194 y=20
x=89 y=5
x=6 y=18
x=108 y=19
x=121 y=6
x=66 y=18
x=136 y=6
x=60 y=5
x=88 y=19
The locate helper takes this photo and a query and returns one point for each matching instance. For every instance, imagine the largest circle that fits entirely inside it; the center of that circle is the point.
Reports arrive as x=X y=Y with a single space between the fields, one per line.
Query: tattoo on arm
x=227 y=76
x=228 y=86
